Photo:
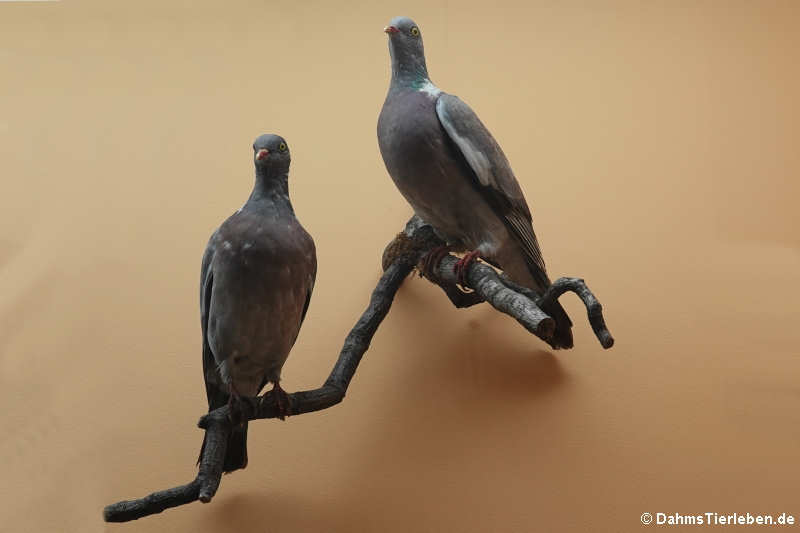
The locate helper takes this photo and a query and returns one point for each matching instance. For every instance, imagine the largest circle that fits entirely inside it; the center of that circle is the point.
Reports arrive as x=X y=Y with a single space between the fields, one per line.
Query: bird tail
x=530 y=274
x=533 y=276
x=562 y=337
x=236 y=450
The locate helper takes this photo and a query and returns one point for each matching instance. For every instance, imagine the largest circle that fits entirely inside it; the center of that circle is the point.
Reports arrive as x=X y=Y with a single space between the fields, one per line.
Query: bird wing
x=492 y=175
x=312 y=278
x=215 y=389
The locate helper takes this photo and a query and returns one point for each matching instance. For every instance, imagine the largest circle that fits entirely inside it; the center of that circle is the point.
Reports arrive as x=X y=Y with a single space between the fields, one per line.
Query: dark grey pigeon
x=454 y=174
x=255 y=286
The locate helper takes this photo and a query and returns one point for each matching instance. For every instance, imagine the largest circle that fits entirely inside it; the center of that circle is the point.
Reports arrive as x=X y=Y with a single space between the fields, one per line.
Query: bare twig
x=593 y=307
x=399 y=259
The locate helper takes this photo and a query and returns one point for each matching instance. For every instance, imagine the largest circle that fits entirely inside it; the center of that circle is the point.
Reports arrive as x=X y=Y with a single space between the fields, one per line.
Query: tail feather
x=235 y=451
x=532 y=276
x=562 y=337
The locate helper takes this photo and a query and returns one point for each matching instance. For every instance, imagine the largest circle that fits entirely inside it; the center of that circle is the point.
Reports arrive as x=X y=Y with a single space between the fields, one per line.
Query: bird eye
x=415 y=31
x=282 y=147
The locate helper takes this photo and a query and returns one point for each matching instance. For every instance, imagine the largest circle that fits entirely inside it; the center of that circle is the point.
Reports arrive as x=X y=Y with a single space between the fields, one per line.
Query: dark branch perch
x=399 y=259
x=593 y=307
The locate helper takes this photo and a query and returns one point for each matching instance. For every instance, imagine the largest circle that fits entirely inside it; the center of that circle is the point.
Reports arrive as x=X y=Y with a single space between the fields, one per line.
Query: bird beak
x=390 y=29
x=262 y=154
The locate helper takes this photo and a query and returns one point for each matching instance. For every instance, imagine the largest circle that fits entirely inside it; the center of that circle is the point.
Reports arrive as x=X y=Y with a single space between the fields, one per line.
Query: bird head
x=271 y=154
x=405 y=47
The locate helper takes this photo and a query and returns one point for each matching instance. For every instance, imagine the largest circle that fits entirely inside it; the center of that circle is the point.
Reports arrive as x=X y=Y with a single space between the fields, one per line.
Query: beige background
x=657 y=146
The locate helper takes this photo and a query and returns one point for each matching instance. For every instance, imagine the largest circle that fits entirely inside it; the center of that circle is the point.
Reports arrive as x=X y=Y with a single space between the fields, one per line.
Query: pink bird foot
x=462 y=266
x=282 y=401
x=431 y=261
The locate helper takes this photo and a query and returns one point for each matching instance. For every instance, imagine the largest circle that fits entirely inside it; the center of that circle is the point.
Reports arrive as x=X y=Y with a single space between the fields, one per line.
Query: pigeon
x=257 y=276
x=454 y=174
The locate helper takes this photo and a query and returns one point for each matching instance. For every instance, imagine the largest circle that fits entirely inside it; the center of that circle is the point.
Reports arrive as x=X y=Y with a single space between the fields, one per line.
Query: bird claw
x=431 y=261
x=281 y=401
x=461 y=267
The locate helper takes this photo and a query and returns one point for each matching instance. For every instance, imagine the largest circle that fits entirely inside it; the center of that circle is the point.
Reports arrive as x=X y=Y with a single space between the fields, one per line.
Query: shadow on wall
x=479 y=387
x=239 y=513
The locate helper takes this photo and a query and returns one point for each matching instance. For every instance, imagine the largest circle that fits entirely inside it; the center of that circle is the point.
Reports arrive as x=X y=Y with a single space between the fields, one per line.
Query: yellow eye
x=282 y=147
x=415 y=31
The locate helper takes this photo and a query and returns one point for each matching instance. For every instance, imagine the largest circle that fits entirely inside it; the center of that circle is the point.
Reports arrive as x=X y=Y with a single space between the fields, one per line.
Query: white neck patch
x=431 y=89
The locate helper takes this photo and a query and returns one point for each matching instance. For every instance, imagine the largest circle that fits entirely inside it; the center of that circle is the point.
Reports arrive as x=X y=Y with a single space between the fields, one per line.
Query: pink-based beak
x=390 y=29
x=262 y=154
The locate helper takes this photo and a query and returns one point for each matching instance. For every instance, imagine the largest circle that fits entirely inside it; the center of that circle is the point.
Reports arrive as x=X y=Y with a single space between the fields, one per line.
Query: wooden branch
x=399 y=259
x=593 y=307
x=486 y=282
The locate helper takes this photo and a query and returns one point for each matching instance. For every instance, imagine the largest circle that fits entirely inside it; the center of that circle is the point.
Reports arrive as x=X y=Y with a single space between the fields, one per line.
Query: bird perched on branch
x=256 y=281
x=454 y=174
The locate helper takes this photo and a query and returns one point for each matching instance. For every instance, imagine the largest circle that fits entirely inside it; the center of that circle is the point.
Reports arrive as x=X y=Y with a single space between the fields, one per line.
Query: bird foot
x=431 y=261
x=281 y=400
x=462 y=266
